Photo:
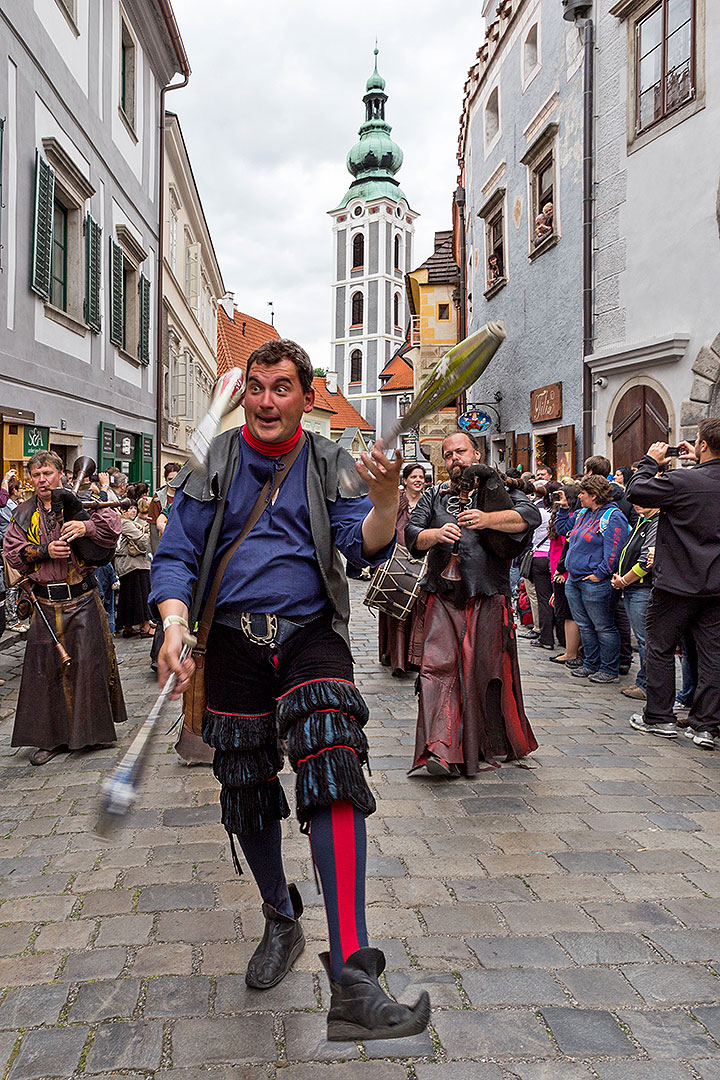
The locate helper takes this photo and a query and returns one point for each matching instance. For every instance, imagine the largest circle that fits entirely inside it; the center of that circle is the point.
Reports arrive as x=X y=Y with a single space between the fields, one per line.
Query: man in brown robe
x=63 y=708
x=471 y=707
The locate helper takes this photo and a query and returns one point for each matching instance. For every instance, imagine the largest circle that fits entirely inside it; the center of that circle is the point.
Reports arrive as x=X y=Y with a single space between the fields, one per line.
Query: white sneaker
x=679 y=707
x=704 y=739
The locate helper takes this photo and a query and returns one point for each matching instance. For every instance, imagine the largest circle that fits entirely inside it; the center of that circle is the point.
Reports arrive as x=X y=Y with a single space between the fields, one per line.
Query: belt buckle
x=271 y=627
x=58 y=591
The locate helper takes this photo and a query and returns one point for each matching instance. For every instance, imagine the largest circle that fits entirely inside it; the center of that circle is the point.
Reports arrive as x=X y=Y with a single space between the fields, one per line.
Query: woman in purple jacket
x=596 y=535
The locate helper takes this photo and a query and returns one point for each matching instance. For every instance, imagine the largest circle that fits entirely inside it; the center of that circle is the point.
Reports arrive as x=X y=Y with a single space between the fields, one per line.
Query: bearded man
x=471 y=708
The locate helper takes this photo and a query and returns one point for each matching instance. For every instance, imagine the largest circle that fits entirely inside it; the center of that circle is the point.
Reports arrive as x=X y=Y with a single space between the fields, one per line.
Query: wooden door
x=640 y=419
x=565 y=461
x=509 y=450
x=522 y=451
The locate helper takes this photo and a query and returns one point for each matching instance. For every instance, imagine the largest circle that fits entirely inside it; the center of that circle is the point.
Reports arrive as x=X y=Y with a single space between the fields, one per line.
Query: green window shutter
x=42 y=226
x=106 y=446
x=93 y=259
x=144 y=345
x=117 y=304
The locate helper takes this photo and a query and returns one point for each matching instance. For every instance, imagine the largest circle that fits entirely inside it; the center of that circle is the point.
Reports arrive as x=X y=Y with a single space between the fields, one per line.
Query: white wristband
x=174 y=620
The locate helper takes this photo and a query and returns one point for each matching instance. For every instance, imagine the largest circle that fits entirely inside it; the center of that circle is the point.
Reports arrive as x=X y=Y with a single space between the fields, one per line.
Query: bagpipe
x=492 y=495
x=68 y=505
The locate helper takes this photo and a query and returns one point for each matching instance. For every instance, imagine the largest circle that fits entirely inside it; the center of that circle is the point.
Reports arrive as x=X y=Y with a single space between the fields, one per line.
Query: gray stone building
x=80 y=107
x=520 y=153
x=656 y=364
x=373 y=229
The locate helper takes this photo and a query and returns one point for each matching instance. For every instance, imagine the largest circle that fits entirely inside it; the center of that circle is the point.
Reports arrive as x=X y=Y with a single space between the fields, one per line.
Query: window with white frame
x=129 y=296
x=664 y=61
x=173 y=231
x=66 y=241
x=530 y=54
x=128 y=65
x=542 y=165
x=355 y=366
x=492 y=118
x=493 y=215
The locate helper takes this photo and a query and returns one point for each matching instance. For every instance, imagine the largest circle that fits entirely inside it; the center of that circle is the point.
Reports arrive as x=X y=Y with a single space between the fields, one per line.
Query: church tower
x=372 y=251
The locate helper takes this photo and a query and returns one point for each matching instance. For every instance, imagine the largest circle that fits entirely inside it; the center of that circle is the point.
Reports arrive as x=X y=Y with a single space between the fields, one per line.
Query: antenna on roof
x=272 y=312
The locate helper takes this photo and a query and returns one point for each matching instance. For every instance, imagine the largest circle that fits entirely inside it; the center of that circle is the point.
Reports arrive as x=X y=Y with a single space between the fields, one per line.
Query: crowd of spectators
x=634 y=553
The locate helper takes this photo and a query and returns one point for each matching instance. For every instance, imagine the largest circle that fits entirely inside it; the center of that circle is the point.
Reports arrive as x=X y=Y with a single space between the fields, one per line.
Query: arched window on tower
x=355 y=366
x=397 y=251
x=396 y=310
x=357 y=304
x=358 y=251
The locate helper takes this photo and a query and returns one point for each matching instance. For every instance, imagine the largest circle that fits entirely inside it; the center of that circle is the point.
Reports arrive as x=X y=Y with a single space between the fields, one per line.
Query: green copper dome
x=375 y=158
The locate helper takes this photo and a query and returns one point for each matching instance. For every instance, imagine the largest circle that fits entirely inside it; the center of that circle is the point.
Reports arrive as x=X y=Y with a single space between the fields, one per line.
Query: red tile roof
x=346 y=415
x=238 y=337
x=400 y=372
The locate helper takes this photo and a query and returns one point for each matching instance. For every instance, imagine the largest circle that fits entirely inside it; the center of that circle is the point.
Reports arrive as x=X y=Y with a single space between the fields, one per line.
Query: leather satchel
x=194 y=698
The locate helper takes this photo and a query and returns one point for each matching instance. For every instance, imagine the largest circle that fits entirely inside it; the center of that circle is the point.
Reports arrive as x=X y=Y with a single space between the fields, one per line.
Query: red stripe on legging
x=343 y=831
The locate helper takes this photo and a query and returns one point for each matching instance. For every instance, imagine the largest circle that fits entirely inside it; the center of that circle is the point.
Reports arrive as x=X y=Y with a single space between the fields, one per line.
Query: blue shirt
x=275 y=569
x=595 y=540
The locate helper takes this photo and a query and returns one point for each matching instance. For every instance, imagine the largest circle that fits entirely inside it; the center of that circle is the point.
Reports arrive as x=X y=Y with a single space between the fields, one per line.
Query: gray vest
x=326 y=462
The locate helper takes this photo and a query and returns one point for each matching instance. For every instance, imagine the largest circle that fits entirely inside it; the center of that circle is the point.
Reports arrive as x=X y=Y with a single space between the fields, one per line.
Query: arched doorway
x=641 y=418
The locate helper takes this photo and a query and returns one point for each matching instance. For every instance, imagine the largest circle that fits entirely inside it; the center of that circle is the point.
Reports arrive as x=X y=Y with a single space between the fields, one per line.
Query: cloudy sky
x=272 y=108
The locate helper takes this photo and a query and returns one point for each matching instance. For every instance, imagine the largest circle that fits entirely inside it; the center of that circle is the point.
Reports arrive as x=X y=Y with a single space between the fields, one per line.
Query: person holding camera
x=634 y=580
x=686 y=588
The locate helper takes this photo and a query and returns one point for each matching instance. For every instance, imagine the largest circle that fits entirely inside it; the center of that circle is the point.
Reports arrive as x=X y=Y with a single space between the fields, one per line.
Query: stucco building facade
x=656 y=364
x=80 y=98
x=520 y=156
x=192 y=286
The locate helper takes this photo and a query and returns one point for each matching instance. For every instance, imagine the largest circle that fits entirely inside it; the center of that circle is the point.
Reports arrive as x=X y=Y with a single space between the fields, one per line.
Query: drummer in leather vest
x=471 y=707
x=74 y=706
x=278 y=666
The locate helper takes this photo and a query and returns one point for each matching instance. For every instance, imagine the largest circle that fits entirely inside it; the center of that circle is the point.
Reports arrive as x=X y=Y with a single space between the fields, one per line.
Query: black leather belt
x=57 y=591
x=264 y=628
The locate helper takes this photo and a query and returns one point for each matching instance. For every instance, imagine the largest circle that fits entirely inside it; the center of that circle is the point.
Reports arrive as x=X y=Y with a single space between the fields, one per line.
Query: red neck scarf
x=272 y=450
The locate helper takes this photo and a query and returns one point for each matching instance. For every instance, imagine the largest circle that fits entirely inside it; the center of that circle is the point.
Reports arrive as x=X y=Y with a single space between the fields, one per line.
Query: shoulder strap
x=603 y=524
x=267 y=494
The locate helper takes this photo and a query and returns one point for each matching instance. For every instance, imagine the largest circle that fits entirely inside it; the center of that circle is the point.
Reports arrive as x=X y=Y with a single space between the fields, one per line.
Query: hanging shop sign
x=35 y=438
x=409 y=448
x=546 y=403
x=475 y=421
x=125 y=445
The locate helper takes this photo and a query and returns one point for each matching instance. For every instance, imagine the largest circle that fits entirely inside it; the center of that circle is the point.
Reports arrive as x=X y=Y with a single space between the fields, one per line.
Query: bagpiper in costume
x=74 y=706
x=471 y=708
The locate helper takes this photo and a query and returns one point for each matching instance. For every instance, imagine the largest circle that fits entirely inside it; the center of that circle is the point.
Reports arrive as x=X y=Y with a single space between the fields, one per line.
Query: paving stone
x=49 y=1052
x=167 y=959
x=191 y=815
x=126 y=1046
x=673 y=984
x=105 y=999
x=176 y=897
x=42 y=1003
x=517 y=986
x=531 y=952
x=357 y=1070
x=441 y=986
x=124 y=930
x=14 y=938
x=190 y=927
x=483 y=1033
x=220 y=1040
x=591 y=862
x=501 y=805
x=449 y=1070
x=596 y=986
x=552 y=1070
x=295 y=992
x=699 y=912
x=94 y=964
x=708 y=1070
x=630 y=916
x=605 y=947
x=107 y=902
x=673 y=821
x=643 y=1070
x=541 y=915
x=306 y=1040
x=29 y=970
x=582 y=1032
x=669 y=1034
x=710 y=1017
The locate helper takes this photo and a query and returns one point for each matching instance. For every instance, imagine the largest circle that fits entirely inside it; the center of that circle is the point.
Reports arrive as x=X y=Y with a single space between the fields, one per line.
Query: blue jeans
x=105 y=577
x=591 y=604
x=636 y=600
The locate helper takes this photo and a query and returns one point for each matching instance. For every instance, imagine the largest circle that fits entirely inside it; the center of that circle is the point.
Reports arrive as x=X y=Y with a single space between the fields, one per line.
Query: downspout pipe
x=460 y=203
x=588 y=261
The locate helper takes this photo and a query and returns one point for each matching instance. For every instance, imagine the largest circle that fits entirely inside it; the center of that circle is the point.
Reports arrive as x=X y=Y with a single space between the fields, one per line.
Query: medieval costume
x=471 y=708
x=278 y=666
x=395 y=635
x=79 y=705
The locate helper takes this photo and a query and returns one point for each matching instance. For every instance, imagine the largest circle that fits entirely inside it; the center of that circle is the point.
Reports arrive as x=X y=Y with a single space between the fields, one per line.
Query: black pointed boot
x=281 y=944
x=360 y=1008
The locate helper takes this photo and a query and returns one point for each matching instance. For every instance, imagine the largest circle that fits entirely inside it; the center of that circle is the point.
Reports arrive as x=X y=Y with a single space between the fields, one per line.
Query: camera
x=673 y=451
x=555 y=496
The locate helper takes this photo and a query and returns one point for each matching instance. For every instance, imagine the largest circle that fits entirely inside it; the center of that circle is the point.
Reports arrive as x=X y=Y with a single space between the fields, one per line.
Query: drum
x=395 y=585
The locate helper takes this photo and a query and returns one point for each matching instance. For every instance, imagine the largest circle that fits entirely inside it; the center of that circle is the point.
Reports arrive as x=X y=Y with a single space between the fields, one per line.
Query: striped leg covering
x=323 y=721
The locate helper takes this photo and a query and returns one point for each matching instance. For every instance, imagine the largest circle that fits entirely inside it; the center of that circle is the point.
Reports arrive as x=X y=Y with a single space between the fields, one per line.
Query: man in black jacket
x=686 y=591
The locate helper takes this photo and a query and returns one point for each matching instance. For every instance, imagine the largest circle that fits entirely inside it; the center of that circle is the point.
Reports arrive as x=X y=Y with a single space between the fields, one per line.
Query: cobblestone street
x=564 y=917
